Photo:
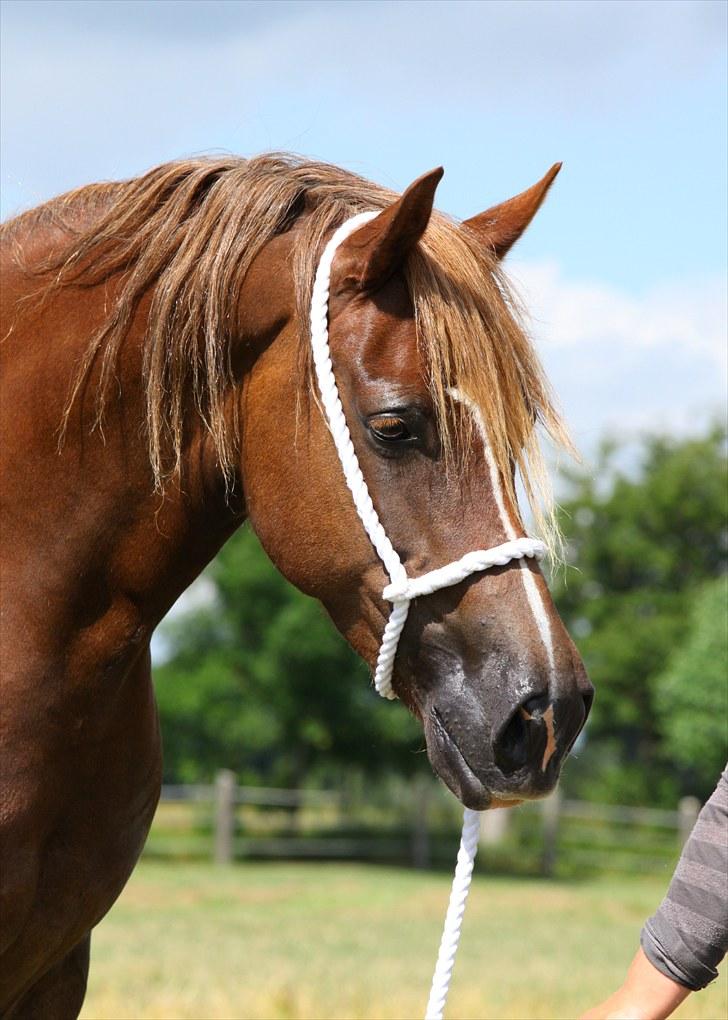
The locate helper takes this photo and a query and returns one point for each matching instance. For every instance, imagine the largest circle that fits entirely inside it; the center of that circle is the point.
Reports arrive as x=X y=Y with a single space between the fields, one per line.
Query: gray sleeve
x=688 y=935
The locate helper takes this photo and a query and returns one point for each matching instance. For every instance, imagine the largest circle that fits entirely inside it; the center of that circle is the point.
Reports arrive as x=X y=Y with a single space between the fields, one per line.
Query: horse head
x=485 y=664
x=159 y=386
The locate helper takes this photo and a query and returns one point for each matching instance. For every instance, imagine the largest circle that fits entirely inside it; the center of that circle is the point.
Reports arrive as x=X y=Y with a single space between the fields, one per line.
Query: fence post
x=224 y=816
x=550 y=819
x=420 y=820
x=688 y=809
x=494 y=826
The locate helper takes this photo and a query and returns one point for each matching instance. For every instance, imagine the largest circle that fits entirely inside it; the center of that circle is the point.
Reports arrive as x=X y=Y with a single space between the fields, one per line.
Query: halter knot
x=453 y=573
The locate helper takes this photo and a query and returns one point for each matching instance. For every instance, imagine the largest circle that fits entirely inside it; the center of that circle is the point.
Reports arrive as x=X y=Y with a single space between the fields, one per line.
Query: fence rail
x=420 y=827
x=258 y=795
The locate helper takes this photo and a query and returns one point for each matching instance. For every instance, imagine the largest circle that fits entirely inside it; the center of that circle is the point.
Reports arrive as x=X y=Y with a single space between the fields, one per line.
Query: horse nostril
x=518 y=741
x=511 y=749
x=535 y=707
x=541 y=732
x=528 y=736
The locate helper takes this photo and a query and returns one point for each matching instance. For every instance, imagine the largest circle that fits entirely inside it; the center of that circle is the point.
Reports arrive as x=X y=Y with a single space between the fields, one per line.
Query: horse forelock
x=189 y=230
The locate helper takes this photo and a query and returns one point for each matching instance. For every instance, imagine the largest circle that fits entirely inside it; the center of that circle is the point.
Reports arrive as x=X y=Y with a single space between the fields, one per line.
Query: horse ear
x=500 y=227
x=374 y=252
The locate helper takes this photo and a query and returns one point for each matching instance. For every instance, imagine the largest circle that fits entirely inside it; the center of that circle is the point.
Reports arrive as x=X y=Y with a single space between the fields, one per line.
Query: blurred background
x=299 y=862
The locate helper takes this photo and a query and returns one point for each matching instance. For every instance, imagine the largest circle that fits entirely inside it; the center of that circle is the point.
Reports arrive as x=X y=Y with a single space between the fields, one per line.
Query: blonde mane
x=189 y=230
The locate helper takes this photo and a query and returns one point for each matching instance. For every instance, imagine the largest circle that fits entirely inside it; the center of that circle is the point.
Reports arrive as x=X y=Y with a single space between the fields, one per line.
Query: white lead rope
x=454 y=917
x=401 y=589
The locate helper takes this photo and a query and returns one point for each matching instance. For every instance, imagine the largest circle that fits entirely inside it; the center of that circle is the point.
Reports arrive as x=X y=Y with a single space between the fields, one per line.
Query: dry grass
x=329 y=940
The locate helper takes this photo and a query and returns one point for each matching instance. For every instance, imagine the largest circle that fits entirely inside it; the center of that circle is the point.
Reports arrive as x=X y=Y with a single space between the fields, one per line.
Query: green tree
x=642 y=540
x=262 y=683
x=692 y=693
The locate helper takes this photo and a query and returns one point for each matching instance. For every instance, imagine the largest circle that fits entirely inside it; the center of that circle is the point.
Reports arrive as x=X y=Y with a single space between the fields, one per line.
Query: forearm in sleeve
x=688 y=935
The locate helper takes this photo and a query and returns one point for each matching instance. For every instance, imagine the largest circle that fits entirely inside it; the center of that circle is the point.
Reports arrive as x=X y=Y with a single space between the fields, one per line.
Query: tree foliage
x=642 y=542
x=260 y=682
x=692 y=692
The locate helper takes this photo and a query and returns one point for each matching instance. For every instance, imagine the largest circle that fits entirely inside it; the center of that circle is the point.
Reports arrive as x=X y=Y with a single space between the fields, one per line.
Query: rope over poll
x=401 y=589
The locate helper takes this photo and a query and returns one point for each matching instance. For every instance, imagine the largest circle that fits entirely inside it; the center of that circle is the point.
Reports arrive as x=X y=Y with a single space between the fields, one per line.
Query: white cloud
x=621 y=362
x=99 y=90
x=689 y=314
x=103 y=89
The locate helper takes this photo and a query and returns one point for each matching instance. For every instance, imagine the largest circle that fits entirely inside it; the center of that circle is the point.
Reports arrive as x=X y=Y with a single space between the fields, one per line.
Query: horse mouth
x=452 y=767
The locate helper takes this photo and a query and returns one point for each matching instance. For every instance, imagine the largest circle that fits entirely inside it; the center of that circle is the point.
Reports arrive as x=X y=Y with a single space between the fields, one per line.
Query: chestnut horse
x=156 y=394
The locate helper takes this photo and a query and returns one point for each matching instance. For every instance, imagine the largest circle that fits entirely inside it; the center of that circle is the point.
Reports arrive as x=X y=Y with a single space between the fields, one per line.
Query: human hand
x=645 y=995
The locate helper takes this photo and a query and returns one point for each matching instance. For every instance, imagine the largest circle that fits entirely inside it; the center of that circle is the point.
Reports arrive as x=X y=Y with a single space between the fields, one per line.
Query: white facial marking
x=533 y=595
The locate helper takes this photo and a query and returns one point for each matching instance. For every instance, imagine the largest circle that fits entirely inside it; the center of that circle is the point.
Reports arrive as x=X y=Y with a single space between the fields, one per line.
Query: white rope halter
x=401 y=589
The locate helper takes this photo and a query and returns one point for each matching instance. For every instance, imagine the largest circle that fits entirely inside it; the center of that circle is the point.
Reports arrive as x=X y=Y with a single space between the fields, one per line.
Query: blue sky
x=623 y=270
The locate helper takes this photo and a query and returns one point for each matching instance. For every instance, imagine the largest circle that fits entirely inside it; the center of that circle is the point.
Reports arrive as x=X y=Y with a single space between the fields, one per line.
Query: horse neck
x=114 y=536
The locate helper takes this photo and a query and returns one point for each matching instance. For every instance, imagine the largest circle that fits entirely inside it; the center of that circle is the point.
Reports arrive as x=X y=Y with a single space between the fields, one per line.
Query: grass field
x=356 y=941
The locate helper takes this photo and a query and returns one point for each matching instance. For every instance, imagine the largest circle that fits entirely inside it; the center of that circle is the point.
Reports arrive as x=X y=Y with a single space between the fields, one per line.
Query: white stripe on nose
x=533 y=595
x=535 y=599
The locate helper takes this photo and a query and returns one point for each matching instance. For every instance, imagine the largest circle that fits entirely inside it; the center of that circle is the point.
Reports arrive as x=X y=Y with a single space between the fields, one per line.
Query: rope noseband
x=401 y=589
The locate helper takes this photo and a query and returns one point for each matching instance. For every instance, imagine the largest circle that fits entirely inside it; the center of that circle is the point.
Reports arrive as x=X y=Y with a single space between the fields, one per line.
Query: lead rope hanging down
x=401 y=589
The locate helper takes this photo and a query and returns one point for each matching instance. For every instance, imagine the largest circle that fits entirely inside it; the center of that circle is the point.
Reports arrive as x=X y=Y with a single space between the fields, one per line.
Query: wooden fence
x=419 y=827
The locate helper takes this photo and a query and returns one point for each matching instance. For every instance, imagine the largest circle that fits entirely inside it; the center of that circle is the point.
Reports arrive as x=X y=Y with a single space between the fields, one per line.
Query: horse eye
x=388 y=428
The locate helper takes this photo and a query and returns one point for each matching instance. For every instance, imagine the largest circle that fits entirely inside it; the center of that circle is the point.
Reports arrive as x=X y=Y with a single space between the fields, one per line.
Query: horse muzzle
x=494 y=751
